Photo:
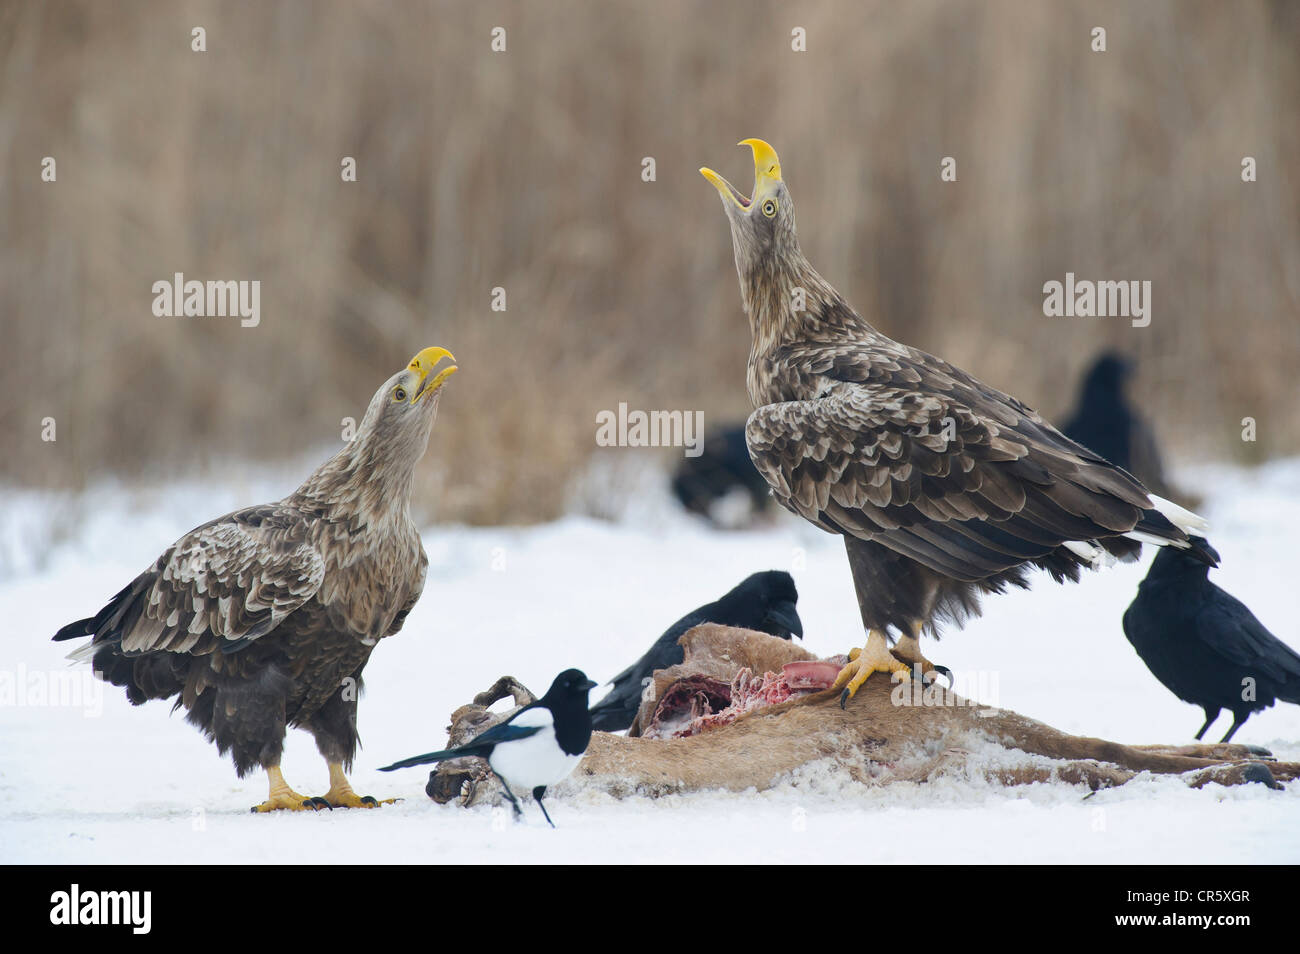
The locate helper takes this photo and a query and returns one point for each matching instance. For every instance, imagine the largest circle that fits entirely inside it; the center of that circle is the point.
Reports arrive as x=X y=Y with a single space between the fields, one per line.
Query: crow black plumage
x=1205 y=645
x=764 y=602
x=722 y=468
x=1105 y=422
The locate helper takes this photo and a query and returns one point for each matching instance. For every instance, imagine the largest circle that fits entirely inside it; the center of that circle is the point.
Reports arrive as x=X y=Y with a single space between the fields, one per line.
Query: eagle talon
x=874 y=657
x=929 y=674
x=341 y=795
x=369 y=801
x=908 y=649
x=281 y=798
x=353 y=800
x=289 y=802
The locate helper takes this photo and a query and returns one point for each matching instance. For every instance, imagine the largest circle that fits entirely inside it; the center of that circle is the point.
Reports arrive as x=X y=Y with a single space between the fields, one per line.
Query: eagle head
x=762 y=225
x=400 y=416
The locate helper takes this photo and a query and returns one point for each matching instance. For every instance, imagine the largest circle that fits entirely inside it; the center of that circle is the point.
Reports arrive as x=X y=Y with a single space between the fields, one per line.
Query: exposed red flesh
x=815 y=675
x=684 y=702
x=697 y=703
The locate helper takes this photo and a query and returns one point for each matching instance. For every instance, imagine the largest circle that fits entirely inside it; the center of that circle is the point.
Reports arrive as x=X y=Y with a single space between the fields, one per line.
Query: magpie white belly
x=536 y=760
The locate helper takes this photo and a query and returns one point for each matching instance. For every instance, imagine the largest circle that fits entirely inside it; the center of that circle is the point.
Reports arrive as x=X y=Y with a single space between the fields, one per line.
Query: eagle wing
x=903 y=449
x=219 y=587
x=413 y=597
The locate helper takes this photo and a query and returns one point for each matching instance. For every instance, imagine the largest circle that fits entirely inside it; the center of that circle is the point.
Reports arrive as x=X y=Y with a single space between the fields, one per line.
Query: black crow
x=539 y=745
x=764 y=601
x=1104 y=422
x=1204 y=644
x=722 y=469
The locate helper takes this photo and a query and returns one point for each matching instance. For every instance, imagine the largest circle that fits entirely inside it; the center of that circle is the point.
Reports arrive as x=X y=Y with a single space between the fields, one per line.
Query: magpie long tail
x=429 y=757
x=78 y=630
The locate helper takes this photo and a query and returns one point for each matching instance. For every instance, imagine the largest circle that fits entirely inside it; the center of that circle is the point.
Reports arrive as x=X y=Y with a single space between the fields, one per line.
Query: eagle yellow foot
x=284 y=799
x=341 y=794
x=908 y=650
x=874 y=657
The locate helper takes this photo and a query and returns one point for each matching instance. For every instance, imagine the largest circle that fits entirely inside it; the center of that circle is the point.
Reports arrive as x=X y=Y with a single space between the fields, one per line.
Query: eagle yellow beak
x=423 y=364
x=767 y=167
x=767 y=173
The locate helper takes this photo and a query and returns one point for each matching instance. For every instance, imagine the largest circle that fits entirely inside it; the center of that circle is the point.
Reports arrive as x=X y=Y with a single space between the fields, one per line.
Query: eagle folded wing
x=219 y=587
x=417 y=588
x=956 y=476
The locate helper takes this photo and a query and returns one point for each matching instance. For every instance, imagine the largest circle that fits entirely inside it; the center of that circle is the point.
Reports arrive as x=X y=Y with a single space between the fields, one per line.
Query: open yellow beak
x=767 y=172
x=423 y=364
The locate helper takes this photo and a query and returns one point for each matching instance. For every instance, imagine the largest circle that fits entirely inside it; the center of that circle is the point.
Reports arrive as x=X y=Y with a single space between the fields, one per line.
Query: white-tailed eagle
x=942 y=487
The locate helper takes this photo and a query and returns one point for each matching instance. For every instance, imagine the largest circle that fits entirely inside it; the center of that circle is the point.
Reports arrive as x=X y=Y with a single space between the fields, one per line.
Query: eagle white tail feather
x=1095 y=555
x=1141 y=537
x=83 y=653
x=1180 y=517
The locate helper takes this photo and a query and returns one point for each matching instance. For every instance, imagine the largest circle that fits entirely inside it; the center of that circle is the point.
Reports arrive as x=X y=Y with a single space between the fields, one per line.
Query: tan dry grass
x=523 y=170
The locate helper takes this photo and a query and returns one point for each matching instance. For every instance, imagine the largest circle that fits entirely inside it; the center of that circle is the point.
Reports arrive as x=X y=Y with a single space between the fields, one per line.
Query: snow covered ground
x=87 y=778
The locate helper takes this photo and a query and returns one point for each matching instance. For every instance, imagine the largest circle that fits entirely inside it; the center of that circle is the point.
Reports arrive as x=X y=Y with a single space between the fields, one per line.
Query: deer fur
x=874 y=740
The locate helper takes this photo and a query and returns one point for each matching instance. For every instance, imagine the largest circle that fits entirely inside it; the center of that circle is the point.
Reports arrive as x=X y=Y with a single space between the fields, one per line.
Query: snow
x=87 y=778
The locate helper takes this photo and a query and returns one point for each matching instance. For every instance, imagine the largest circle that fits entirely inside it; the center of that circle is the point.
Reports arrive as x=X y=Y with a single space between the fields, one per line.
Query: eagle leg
x=341 y=794
x=283 y=798
x=874 y=657
x=908 y=650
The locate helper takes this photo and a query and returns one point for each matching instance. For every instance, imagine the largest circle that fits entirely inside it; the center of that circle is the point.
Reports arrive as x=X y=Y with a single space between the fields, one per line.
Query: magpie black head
x=569 y=687
x=567 y=700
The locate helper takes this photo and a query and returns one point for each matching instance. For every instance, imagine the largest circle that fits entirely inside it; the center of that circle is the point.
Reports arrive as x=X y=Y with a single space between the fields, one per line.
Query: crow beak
x=588 y=686
x=782 y=620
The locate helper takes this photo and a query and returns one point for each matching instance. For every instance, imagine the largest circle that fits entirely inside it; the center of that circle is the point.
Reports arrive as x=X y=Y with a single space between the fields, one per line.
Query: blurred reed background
x=522 y=170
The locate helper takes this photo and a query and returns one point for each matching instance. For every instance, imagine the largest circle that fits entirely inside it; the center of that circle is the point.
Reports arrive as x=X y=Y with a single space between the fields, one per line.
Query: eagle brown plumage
x=265 y=618
x=942 y=487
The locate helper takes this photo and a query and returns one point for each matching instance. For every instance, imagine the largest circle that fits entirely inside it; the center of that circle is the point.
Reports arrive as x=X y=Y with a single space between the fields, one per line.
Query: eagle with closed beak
x=942 y=487
x=265 y=618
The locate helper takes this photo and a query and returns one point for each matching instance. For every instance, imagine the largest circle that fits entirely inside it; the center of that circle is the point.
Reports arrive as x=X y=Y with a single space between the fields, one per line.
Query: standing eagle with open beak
x=942 y=487
x=264 y=618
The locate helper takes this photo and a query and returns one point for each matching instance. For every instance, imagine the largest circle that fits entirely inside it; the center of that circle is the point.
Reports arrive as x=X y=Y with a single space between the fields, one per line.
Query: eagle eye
x=399 y=393
x=769 y=208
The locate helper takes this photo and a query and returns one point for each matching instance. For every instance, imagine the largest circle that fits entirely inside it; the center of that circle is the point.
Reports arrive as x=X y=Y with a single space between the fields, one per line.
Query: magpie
x=764 y=601
x=1204 y=644
x=539 y=745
